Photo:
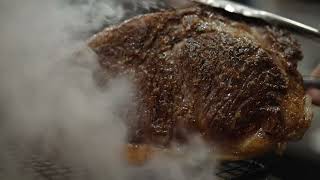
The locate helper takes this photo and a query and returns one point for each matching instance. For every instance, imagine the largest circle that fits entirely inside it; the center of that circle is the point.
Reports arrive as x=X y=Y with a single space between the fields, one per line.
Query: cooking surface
x=42 y=166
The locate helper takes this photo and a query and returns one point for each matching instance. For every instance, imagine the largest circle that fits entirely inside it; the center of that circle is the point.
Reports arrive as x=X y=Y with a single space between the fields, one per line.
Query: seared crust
x=203 y=71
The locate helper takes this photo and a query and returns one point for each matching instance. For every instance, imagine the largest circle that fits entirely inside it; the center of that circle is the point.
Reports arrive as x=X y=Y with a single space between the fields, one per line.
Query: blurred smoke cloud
x=49 y=97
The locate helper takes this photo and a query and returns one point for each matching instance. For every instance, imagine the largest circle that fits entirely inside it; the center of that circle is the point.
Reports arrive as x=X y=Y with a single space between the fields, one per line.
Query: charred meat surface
x=202 y=71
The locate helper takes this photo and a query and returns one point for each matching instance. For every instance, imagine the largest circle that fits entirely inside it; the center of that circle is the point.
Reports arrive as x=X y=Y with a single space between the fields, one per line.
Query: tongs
x=291 y=25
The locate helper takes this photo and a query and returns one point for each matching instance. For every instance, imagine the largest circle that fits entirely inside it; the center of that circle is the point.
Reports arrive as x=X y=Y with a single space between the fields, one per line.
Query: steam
x=49 y=97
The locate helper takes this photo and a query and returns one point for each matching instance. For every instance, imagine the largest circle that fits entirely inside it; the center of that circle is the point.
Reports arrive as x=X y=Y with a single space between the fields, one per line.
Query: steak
x=201 y=71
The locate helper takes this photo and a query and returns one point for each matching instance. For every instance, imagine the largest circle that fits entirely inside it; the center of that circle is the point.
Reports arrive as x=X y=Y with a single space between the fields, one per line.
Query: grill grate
x=47 y=170
x=238 y=170
x=37 y=165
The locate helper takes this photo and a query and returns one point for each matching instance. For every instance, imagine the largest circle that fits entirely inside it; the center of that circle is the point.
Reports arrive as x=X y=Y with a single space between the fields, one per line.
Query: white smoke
x=49 y=97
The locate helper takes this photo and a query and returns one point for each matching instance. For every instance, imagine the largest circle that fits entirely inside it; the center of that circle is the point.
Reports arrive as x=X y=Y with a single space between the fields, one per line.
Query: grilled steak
x=203 y=71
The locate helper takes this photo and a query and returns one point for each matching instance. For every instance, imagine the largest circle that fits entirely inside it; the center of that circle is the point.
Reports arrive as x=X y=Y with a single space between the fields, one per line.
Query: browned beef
x=199 y=70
